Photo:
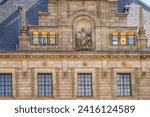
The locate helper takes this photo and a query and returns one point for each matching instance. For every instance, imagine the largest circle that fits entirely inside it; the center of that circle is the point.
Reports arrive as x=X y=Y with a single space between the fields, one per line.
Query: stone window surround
x=123 y=83
x=47 y=70
x=12 y=72
x=86 y=16
x=133 y=89
x=43 y=77
x=82 y=83
x=93 y=73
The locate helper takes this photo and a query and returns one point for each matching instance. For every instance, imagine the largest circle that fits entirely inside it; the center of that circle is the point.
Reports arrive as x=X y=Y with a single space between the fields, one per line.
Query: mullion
x=84 y=86
x=127 y=84
x=44 y=85
x=130 y=86
x=47 y=85
x=4 y=86
x=123 y=85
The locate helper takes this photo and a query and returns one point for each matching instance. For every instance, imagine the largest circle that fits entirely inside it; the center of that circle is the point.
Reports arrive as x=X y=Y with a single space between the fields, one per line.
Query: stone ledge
x=60 y=56
x=43 y=13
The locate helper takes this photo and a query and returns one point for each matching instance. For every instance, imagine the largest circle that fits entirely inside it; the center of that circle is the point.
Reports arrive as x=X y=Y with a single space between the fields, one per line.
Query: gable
x=10 y=27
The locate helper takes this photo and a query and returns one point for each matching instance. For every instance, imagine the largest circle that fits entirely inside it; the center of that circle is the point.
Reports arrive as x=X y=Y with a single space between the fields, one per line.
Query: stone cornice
x=122 y=14
x=74 y=55
x=125 y=27
x=37 y=26
x=43 y=13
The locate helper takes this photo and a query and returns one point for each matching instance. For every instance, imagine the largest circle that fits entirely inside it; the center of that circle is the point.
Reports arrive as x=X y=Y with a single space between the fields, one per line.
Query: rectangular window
x=124 y=84
x=84 y=84
x=45 y=85
x=5 y=85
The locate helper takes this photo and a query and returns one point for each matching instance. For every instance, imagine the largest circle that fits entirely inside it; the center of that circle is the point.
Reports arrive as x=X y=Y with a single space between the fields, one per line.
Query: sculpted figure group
x=83 y=40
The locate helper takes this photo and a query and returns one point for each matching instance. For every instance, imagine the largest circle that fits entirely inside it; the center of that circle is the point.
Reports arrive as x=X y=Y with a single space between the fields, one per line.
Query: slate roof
x=10 y=26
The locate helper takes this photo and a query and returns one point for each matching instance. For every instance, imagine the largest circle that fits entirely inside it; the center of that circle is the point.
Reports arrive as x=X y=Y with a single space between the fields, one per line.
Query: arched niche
x=86 y=23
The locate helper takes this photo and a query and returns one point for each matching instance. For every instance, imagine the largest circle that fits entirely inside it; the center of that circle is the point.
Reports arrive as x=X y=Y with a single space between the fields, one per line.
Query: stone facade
x=64 y=61
x=64 y=67
x=66 y=18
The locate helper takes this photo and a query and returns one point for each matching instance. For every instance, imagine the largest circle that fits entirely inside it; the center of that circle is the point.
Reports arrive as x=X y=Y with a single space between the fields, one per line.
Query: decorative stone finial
x=23 y=38
x=141 y=18
x=23 y=13
x=142 y=41
x=141 y=24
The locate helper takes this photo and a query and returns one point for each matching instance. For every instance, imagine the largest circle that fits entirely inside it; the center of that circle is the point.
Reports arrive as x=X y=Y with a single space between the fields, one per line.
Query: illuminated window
x=84 y=84
x=45 y=86
x=124 y=84
x=5 y=85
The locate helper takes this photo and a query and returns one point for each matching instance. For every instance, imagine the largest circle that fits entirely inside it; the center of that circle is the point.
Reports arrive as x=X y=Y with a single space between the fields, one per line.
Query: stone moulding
x=60 y=56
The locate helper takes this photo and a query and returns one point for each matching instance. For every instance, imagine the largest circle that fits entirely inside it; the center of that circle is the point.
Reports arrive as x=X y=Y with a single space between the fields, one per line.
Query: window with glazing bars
x=84 y=84
x=5 y=85
x=45 y=85
x=124 y=84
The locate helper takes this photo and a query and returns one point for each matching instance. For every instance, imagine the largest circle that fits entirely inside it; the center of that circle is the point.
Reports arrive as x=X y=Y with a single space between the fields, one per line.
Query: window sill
x=7 y=98
x=45 y=97
x=125 y=97
x=85 y=97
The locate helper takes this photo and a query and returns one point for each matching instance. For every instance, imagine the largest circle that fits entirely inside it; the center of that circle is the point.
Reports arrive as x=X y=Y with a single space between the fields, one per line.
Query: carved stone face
x=82 y=29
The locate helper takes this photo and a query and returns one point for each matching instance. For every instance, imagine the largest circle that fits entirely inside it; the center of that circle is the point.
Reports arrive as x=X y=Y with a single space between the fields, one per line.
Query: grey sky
x=147 y=1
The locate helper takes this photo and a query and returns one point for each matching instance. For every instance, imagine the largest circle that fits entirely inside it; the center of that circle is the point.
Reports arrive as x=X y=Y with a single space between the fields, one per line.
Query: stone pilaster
x=142 y=41
x=24 y=37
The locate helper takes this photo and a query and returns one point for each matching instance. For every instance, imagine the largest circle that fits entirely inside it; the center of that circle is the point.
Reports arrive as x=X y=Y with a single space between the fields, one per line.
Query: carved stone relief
x=83 y=40
x=83 y=5
x=83 y=34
